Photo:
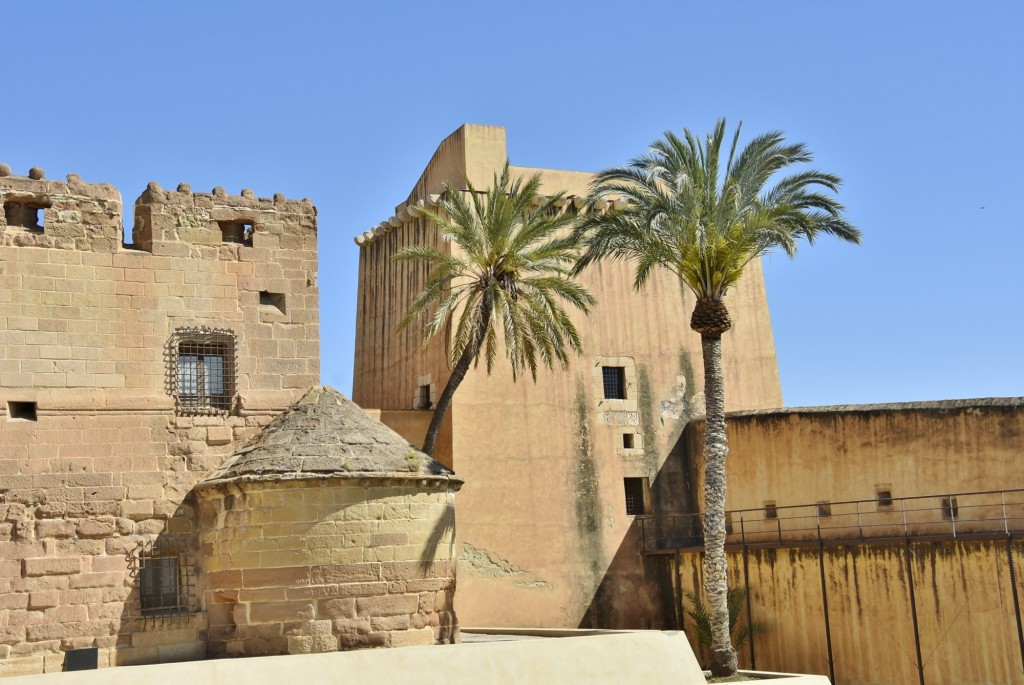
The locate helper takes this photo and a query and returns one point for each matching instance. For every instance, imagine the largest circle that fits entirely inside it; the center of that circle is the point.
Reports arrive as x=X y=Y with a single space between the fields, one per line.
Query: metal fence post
x=913 y=611
x=824 y=604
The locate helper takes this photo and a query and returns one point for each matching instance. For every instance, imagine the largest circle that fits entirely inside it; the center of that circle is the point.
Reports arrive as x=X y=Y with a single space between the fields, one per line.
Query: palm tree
x=741 y=632
x=679 y=209
x=508 y=273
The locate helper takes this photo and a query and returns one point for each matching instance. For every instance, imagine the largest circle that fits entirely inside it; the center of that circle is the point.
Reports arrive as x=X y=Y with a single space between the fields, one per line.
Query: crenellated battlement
x=74 y=215
x=71 y=215
x=169 y=221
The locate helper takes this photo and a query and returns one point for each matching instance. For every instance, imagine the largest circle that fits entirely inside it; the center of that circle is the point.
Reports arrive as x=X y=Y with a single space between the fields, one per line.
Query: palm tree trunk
x=716 y=446
x=454 y=380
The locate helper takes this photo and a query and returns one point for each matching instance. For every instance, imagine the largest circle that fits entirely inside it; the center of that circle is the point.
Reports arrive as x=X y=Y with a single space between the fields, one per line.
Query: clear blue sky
x=919 y=106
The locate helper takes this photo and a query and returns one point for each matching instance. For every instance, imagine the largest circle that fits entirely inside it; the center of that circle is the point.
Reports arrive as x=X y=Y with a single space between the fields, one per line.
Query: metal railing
x=987 y=514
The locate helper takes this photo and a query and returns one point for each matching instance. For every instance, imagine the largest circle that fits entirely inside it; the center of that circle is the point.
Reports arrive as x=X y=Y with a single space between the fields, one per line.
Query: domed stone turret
x=327 y=531
x=326 y=434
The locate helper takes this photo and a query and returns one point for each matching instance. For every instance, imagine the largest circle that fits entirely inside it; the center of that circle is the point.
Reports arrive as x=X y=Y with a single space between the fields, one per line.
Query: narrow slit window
x=423 y=397
x=637 y=496
x=950 y=509
x=22 y=411
x=614 y=378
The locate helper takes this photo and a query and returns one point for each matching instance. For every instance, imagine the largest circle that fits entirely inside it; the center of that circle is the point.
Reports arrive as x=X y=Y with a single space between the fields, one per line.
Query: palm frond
x=703 y=221
x=513 y=262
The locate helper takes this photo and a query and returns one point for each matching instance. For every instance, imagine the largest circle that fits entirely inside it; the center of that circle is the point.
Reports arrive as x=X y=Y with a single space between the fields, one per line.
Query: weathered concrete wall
x=806 y=455
x=543 y=512
x=307 y=566
x=964 y=607
x=106 y=462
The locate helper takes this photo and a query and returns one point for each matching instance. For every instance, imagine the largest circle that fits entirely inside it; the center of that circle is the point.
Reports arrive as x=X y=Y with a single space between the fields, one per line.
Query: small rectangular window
x=164 y=574
x=824 y=509
x=160 y=585
x=614 y=378
x=82 y=659
x=28 y=215
x=771 y=511
x=637 y=496
x=21 y=411
x=883 y=496
x=423 y=397
x=273 y=301
x=239 y=232
x=950 y=508
x=202 y=370
x=627 y=441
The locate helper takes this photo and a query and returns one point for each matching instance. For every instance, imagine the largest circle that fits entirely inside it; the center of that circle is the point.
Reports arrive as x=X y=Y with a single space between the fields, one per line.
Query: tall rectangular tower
x=556 y=471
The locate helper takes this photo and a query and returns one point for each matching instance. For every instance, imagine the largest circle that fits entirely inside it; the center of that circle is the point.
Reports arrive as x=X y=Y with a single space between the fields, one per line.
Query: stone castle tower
x=127 y=373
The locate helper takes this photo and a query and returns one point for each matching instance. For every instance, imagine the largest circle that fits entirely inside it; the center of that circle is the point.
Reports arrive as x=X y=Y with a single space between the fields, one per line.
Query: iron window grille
x=614 y=378
x=201 y=370
x=163 y=570
x=636 y=496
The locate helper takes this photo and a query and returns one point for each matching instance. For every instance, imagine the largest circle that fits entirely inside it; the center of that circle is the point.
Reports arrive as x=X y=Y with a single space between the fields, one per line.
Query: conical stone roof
x=326 y=435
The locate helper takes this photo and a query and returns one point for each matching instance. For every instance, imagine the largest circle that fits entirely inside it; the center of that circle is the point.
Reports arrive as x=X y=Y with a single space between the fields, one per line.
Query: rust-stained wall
x=963 y=600
x=542 y=518
x=804 y=455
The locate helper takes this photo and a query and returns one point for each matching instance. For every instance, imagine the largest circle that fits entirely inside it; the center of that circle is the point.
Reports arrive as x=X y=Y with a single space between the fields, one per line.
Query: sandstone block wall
x=94 y=458
x=317 y=565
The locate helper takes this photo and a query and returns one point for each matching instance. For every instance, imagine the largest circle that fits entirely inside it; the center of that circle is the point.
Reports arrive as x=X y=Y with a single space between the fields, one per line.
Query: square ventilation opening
x=883 y=496
x=84 y=659
x=824 y=509
x=239 y=232
x=627 y=441
x=275 y=301
x=771 y=511
x=21 y=411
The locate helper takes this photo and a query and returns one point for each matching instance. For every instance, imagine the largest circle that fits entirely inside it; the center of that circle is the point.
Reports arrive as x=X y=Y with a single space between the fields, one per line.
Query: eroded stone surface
x=326 y=434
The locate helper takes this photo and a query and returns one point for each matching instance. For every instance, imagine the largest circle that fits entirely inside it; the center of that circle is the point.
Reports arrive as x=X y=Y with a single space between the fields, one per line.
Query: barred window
x=164 y=574
x=202 y=370
x=614 y=378
x=637 y=496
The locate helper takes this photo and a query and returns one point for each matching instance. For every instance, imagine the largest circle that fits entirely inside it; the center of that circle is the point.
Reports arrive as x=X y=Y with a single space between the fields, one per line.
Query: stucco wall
x=542 y=516
x=806 y=455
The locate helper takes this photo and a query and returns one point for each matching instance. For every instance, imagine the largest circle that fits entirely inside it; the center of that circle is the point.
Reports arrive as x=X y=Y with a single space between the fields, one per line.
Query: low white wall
x=659 y=657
